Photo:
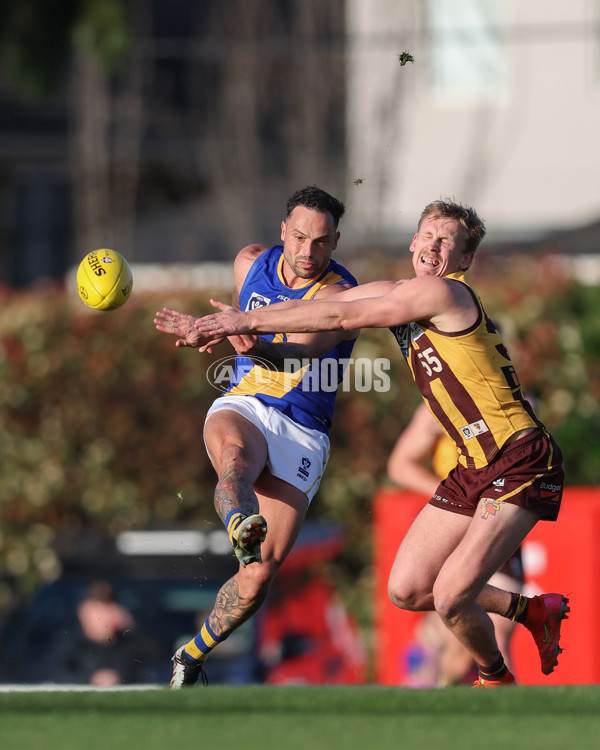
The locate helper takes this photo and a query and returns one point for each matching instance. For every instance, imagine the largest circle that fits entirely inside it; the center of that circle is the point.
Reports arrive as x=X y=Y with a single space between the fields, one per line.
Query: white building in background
x=500 y=110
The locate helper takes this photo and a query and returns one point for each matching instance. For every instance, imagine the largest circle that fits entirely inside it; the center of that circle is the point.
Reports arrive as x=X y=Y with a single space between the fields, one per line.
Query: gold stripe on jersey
x=270 y=382
x=470 y=386
x=328 y=280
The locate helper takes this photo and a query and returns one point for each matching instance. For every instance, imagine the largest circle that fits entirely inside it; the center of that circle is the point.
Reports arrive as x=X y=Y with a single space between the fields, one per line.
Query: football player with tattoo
x=422 y=456
x=267 y=436
x=510 y=472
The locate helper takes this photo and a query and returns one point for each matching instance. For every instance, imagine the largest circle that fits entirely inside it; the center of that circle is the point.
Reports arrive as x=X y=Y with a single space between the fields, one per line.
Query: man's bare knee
x=449 y=604
x=407 y=598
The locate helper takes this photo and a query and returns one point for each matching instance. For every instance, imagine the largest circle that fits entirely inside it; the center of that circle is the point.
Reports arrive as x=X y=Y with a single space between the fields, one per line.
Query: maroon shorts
x=528 y=473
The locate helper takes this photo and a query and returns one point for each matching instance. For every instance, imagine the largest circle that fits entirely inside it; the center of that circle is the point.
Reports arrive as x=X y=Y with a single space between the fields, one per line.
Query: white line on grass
x=52 y=688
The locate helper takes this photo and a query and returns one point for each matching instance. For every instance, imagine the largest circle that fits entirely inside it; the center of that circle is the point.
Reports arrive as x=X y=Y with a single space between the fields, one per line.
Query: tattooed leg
x=241 y=596
x=232 y=608
x=234 y=492
x=237 y=600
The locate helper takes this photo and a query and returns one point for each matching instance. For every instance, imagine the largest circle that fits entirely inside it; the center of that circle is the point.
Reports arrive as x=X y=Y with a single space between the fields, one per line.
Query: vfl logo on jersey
x=405 y=334
x=303 y=469
x=257 y=300
x=474 y=429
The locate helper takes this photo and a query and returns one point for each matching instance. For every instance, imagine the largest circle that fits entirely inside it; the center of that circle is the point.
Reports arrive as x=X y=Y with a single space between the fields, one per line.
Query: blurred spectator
x=101 y=656
x=101 y=618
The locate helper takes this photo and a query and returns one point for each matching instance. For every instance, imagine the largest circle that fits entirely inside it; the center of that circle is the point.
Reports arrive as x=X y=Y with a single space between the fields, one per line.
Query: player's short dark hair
x=465 y=215
x=317 y=199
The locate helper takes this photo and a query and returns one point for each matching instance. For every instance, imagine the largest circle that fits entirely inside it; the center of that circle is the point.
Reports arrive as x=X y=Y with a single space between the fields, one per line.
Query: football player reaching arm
x=311 y=344
x=381 y=304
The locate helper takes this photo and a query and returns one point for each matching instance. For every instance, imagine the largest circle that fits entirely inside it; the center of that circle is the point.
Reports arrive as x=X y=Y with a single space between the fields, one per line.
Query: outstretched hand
x=182 y=325
x=228 y=322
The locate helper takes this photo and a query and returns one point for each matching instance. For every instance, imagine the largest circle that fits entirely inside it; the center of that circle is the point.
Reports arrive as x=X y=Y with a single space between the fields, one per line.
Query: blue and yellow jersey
x=469 y=383
x=306 y=395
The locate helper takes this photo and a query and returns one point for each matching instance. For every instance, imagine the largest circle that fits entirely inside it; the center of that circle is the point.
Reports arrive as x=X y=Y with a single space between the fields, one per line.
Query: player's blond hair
x=465 y=215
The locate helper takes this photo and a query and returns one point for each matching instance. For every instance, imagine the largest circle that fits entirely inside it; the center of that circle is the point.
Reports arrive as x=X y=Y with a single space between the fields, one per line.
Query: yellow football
x=104 y=280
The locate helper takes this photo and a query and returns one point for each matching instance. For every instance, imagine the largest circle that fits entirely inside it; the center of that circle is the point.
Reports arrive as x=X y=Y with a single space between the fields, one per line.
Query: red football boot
x=545 y=614
x=506 y=679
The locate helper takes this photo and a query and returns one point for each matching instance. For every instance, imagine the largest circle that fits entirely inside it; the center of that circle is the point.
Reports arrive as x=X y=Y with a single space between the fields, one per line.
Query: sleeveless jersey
x=307 y=395
x=469 y=383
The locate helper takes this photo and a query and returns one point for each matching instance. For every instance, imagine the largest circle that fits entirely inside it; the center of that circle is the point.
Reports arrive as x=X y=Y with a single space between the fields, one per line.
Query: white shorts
x=296 y=454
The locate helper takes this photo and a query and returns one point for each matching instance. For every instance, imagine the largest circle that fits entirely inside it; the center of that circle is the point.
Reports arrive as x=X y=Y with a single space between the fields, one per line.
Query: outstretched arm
x=377 y=305
x=268 y=319
x=295 y=346
x=446 y=303
x=182 y=325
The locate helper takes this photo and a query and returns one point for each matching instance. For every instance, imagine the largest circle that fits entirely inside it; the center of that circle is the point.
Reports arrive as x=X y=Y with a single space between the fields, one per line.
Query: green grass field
x=289 y=718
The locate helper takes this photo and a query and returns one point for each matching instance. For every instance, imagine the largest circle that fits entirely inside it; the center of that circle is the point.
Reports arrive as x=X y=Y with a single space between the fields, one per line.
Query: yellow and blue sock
x=234 y=517
x=200 y=647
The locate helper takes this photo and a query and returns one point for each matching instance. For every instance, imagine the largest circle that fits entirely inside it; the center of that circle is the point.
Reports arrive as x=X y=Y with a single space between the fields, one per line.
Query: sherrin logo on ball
x=104 y=280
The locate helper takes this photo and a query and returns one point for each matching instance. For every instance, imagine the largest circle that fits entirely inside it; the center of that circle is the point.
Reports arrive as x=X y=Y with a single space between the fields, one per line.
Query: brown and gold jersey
x=469 y=383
